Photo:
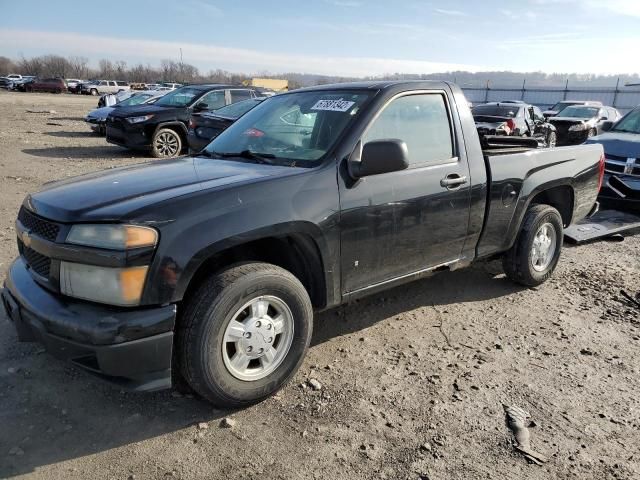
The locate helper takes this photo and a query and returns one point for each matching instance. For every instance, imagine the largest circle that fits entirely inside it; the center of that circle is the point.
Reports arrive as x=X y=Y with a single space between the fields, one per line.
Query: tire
x=518 y=262
x=203 y=347
x=93 y=92
x=592 y=133
x=166 y=143
x=552 y=140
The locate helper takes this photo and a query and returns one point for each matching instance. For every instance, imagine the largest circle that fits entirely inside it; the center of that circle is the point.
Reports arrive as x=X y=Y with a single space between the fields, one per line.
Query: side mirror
x=379 y=156
x=200 y=107
x=608 y=125
x=602 y=119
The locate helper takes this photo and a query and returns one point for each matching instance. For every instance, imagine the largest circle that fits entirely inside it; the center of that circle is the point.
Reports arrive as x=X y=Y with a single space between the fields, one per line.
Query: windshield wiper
x=249 y=155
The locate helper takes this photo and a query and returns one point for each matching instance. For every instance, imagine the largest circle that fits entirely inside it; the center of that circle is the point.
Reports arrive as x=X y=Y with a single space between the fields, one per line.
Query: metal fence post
x=615 y=94
x=524 y=83
x=566 y=89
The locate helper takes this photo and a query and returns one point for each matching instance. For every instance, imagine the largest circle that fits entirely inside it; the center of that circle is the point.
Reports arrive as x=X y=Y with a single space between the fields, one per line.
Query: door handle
x=453 y=180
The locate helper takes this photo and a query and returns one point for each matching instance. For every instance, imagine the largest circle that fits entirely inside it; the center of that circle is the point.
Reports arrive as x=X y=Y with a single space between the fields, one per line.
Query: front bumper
x=129 y=347
x=96 y=124
x=573 y=138
x=119 y=132
x=620 y=192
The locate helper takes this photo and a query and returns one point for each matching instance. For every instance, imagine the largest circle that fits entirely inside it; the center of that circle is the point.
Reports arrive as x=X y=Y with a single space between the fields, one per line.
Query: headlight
x=141 y=119
x=578 y=128
x=115 y=237
x=114 y=286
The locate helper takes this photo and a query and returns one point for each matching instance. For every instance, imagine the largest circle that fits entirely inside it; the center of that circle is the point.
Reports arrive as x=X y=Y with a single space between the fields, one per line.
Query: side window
x=422 y=122
x=603 y=113
x=538 y=114
x=103 y=83
x=214 y=99
x=239 y=95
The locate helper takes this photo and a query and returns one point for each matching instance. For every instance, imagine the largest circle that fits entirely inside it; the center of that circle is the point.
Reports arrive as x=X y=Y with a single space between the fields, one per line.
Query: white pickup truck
x=100 y=87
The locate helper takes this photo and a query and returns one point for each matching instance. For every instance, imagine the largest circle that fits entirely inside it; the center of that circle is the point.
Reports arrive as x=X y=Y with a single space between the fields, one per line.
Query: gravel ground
x=412 y=381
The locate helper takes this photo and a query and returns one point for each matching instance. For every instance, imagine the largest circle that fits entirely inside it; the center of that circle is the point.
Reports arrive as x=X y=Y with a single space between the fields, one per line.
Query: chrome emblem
x=26 y=238
x=628 y=168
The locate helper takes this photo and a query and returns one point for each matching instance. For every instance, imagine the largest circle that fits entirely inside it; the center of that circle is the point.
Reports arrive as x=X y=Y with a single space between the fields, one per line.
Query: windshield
x=630 y=123
x=558 y=107
x=579 y=112
x=295 y=129
x=135 y=100
x=507 y=111
x=236 y=110
x=180 y=97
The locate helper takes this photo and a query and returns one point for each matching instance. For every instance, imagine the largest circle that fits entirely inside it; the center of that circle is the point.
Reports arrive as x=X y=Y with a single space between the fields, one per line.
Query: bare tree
x=105 y=68
x=78 y=66
x=6 y=66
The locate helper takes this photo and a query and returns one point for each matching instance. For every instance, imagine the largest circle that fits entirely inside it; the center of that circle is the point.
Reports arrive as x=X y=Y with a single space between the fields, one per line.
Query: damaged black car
x=514 y=119
x=575 y=124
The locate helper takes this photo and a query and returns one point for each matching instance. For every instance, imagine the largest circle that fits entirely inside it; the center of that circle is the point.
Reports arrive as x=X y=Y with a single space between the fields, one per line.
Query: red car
x=54 y=85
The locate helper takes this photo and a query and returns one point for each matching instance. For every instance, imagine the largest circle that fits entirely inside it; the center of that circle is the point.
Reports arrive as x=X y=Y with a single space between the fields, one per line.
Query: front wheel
x=166 y=143
x=244 y=334
x=535 y=254
x=93 y=92
x=552 y=140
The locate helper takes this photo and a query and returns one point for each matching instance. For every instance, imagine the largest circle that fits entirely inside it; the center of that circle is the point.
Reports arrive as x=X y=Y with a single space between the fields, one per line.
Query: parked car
x=621 y=142
x=72 y=84
x=21 y=84
x=162 y=127
x=209 y=267
x=514 y=118
x=97 y=118
x=558 y=107
x=204 y=128
x=577 y=123
x=53 y=85
x=14 y=76
x=171 y=85
x=100 y=87
x=6 y=83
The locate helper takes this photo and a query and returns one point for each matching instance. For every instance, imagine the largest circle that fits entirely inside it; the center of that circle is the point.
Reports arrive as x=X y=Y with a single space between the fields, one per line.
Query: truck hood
x=620 y=144
x=113 y=195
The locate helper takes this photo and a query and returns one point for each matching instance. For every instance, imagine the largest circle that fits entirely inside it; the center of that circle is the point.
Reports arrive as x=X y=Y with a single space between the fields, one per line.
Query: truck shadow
x=53 y=413
x=479 y=282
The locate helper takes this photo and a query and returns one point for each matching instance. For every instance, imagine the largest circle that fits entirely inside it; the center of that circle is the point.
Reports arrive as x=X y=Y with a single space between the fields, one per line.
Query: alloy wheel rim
x=258 y=338
x=167 y=144
x=544 y=247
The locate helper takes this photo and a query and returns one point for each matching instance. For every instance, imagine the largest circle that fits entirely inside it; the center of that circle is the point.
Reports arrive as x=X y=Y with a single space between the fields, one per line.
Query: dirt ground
x=413 y=380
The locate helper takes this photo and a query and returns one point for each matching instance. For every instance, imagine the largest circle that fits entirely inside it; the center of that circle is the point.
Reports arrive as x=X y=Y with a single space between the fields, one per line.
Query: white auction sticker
x=339 y=105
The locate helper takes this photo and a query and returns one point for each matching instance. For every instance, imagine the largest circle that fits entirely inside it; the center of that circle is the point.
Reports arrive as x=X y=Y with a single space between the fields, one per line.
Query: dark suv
x=162 y=127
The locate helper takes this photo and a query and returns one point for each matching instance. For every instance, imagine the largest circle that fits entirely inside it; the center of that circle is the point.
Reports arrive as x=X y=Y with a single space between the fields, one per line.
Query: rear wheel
x=93 y=92
x=592 y=133
x=244 y=334
x=535 y=254
x=166 y=143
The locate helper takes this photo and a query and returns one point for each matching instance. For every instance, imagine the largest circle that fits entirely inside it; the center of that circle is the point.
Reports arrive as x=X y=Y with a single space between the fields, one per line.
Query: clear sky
x=335 y=37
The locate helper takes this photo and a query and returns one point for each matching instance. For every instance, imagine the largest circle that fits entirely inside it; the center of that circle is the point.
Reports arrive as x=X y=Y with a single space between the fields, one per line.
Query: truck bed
x=514 y=178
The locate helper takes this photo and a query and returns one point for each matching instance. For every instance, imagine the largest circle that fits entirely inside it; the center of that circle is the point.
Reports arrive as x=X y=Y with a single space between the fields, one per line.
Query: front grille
x=36 y=261
x=622 y=166
x=38 y=226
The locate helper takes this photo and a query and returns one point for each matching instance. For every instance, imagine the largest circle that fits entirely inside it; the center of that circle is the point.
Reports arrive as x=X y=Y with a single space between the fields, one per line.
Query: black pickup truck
x=208 y=268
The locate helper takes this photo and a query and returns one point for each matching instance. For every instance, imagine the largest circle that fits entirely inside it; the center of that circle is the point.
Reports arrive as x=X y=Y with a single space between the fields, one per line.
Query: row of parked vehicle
x=567 y=123
x=74 y=85
x=573 y=122
x=166 y=123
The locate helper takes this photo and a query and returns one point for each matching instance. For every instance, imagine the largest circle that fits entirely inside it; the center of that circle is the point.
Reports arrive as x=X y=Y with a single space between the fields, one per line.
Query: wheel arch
x=297 y=251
